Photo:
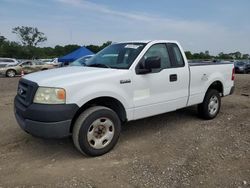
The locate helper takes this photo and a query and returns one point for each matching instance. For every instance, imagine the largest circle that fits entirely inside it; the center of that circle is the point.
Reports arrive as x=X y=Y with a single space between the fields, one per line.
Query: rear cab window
x=175 y=55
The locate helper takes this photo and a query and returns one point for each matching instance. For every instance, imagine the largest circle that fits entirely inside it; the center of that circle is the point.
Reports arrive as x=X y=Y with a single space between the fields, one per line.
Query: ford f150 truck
x=125 y=81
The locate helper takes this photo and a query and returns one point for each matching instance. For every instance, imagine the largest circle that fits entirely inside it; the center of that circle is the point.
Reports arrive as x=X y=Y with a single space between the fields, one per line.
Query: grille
x=2 y=65
x=26 y=91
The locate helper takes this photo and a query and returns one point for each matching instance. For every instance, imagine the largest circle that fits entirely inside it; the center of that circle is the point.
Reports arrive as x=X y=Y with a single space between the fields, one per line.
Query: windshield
x=118 y=56
x=80 y=62
x=240 y=63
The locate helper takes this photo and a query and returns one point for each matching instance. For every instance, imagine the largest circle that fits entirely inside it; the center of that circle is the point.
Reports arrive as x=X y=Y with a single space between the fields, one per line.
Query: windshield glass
x=80 y=62
x=240 y=63
x=118 y=56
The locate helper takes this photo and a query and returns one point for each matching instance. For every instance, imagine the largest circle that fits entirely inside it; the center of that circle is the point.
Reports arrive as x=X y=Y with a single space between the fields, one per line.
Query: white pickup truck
x=125 y=81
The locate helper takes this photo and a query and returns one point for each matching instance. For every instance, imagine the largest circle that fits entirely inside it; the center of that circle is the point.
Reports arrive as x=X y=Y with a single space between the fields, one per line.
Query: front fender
x=118 y=92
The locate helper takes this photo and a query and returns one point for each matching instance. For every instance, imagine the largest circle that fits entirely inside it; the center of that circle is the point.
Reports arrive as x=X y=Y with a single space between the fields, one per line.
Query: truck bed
x=202 y=63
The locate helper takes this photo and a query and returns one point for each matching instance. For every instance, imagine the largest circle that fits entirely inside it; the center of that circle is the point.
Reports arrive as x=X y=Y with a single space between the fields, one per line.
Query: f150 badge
x=125 y=81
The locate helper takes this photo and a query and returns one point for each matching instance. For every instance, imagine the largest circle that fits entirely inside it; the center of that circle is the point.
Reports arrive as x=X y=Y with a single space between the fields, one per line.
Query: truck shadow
x=153 y=124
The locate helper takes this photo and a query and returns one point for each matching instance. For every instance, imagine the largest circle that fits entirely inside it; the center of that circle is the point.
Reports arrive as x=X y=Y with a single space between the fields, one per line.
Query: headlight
x=48 y=95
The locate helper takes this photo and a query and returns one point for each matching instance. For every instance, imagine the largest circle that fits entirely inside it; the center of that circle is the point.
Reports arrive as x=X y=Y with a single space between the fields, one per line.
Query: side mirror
x=149 y=64
x=153 y=63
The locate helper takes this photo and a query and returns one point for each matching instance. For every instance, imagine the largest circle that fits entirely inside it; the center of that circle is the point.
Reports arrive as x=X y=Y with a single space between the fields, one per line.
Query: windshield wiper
x=98 y=65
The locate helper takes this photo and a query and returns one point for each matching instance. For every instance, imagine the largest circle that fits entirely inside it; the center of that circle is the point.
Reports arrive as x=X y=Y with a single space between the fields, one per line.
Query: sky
x=199 y=25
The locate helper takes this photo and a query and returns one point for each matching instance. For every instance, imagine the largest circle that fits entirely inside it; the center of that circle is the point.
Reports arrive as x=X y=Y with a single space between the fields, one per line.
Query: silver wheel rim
x=11 y=73
x=213 y=105
x=100 y=133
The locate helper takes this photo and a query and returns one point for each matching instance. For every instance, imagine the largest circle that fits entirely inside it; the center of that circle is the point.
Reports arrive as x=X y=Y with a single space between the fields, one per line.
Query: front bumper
x=2 y=72
x=46 y=121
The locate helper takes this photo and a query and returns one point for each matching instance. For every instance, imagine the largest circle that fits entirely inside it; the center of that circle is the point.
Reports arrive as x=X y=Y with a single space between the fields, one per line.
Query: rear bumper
x=46 y=121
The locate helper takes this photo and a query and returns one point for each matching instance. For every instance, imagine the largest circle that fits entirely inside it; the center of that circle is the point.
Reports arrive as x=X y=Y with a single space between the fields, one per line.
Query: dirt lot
x=170 y=150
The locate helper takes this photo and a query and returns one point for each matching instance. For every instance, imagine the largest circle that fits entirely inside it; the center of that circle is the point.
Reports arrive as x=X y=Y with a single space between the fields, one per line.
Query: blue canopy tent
x=80 y=52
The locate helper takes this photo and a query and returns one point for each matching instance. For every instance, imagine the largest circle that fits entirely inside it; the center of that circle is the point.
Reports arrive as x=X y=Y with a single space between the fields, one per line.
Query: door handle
x=173 y=77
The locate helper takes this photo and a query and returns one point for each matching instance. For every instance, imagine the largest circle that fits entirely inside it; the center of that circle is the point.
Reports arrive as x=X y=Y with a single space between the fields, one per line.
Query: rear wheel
x=210 y=106
x=10 y=73
x=96 y=131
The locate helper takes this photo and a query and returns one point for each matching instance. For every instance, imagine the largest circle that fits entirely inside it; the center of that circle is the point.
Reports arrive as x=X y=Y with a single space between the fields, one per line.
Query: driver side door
x=162 y=90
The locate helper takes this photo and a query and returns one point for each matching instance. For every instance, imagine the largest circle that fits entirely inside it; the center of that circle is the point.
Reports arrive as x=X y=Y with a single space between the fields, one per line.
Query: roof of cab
x=147 y=41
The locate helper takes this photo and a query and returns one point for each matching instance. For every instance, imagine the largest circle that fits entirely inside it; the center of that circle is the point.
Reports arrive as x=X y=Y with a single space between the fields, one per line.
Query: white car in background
x=9 y=61
x=50 y=61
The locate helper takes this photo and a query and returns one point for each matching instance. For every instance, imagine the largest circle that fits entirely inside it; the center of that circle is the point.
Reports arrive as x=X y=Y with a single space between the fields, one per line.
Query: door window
x=158 y=50
x=26 y=64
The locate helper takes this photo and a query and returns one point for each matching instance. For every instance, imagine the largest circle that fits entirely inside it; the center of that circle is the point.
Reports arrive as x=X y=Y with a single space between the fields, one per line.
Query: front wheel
x=210 y=106
x=96 y=131
x=10 y=73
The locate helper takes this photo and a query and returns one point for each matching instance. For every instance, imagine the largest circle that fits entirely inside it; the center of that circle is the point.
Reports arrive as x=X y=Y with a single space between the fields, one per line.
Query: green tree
x=93 y=48
x=237 y=55
x=245 y=56
x=104 y=45
x=224 y=56
x=189 y=55
x=2 y=39
x=207 y=53
x=29 y=36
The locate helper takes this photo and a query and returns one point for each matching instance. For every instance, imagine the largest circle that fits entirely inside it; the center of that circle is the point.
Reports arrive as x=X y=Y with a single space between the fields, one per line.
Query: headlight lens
x=48 y=95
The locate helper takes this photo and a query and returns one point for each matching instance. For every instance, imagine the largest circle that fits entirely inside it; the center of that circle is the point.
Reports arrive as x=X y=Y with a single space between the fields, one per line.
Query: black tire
x=203 y=108
x=10 y=73
x=85 y=122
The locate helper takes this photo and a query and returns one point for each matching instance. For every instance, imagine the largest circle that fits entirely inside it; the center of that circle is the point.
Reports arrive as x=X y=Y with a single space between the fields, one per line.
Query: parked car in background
x=81 y=61
x=4 y=61
x=53 y=61
x=242 y=67
x=11 y=70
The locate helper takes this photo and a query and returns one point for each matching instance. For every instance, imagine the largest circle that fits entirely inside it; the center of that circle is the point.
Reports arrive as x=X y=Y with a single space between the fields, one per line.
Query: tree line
x=30 y=37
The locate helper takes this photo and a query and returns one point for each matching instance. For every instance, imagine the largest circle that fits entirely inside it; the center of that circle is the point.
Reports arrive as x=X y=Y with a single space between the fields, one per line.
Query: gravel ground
x=176 y=149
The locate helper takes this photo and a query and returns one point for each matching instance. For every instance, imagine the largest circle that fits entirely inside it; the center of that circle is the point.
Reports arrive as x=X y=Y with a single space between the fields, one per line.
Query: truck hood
x=60 y=77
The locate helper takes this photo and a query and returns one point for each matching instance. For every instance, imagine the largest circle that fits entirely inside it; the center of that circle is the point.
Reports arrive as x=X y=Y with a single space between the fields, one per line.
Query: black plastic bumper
x=46 y=121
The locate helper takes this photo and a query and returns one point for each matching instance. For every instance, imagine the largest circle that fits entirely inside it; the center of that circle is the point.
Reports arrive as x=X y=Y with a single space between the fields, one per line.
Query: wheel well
x=217 y=85
x=12 y=70
x=9 y=70
x=108 y=102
